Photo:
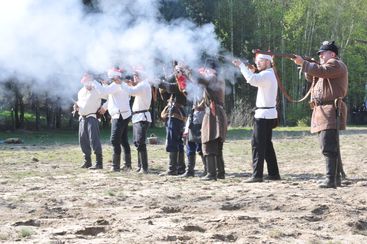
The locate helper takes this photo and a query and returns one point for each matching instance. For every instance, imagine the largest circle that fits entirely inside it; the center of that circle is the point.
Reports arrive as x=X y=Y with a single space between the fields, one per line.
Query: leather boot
x=116 y=159
x=144 y=162
x=87 y=162
x=181 y=163
x=338 y=178
x=211 y=165
x=139 y=163
x=127 y=166
x=190 y=171
x=99 y=162
x=220 y=165
x=172 y=164
x=204 y=165
x=330 y=181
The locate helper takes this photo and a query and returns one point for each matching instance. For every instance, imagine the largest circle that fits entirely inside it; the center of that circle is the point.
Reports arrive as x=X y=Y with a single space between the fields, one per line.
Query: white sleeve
x=105 y=90
x=246 y=72
x=258 y=79
x=138 y=89
x=126 y=88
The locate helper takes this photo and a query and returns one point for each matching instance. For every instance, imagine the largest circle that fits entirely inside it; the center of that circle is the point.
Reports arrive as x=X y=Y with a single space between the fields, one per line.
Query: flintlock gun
x=282 y=55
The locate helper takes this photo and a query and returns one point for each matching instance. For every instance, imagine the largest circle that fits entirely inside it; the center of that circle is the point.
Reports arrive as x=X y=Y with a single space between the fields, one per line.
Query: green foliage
x=25 y=232
x=298 y=115
x=287 y=26
x=293 y=26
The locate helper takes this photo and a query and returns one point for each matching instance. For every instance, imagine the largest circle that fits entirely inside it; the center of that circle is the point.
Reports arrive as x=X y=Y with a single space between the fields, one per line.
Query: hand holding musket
x=238 y=62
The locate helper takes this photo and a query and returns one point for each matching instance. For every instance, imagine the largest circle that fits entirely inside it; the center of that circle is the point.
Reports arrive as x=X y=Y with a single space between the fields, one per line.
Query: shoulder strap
x=285 y=93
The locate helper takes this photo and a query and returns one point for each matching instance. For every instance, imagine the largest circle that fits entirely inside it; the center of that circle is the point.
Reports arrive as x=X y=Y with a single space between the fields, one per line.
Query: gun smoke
x=48 y=45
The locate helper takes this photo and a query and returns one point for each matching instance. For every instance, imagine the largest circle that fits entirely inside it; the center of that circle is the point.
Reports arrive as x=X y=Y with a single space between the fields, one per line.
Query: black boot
x=211 y=165
x=99 y=162
x=116 y=159
x=181 y=163
x=139 y=163
x=190 y=171
x=331 y=167
x=204 y=165
x=220 y=165
x=143 y=155
x=127 y=166
x=172 y=164
x=338 y=178
x=87 y=162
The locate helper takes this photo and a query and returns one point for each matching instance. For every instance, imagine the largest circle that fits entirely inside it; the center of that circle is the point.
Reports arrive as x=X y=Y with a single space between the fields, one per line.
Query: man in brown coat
x=330 y=85
x=214 y=126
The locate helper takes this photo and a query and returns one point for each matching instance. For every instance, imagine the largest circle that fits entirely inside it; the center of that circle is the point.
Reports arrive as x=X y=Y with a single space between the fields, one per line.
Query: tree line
x=285 y=26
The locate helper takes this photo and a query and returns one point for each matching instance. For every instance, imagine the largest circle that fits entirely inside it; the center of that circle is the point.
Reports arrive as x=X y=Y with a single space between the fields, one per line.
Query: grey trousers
x=140 y=135
x=89 y=137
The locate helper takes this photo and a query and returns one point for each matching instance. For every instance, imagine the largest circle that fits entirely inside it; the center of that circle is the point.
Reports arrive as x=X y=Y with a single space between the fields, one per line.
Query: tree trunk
x=49 y=114
x=21 y=115
x=58 y=116
x=37 y=112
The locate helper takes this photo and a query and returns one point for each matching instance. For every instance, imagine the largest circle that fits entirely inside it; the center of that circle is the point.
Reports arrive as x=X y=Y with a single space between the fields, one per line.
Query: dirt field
x=46 y=198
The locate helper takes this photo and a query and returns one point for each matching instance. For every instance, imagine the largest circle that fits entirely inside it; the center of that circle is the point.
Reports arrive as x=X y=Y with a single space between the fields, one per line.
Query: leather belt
x=140 y=111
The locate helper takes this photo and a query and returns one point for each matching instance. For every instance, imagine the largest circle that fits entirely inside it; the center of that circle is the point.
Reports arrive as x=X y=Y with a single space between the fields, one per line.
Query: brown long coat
x=331 y=83
x=214 y=124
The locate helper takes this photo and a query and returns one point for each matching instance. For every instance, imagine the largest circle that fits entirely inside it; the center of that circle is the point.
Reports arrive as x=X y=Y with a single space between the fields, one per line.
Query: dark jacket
x=176 y=100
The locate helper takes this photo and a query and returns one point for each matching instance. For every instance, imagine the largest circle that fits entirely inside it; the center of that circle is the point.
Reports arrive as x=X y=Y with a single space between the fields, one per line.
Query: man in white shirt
x=89 y=101
x=119 y=108
x=265 y=117
x=141 y=119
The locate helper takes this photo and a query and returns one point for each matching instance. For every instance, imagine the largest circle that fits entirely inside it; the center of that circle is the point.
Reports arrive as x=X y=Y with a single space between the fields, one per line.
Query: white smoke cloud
x=54 y=42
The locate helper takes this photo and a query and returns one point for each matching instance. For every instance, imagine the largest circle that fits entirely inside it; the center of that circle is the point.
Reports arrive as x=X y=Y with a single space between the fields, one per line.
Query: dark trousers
x=140 y=135
x=119 y=135
x=174 y=130
x=89 y=137
x=329 y=143
x=192 y=148
x=214 y=147
x=262 y=148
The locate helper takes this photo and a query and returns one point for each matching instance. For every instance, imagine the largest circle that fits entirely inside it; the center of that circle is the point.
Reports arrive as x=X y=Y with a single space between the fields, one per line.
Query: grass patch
x=25 y=232
x=111 y=193
x=62 y=137
x=4 y=236
x=275 y=233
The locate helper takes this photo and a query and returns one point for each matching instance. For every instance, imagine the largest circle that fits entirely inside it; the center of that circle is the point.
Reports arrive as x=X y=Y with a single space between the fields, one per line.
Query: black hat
x=328 y=46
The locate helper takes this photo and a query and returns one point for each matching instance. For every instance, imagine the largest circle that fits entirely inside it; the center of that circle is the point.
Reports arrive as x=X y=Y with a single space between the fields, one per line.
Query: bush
x=298 y=114
x=241 y=114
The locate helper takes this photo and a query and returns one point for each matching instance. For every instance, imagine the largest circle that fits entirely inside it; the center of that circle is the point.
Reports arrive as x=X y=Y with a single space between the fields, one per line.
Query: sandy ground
x=46 y=198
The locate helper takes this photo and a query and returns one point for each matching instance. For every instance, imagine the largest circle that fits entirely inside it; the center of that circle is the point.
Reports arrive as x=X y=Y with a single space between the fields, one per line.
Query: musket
x=340 y=168
x=74 y=112
x=245 y=61
x=283 y=55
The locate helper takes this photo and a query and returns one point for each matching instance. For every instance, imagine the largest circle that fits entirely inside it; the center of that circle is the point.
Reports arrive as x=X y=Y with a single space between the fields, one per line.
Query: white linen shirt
x=143 y=97
x=267 y=85
x=88 y=102
x=118 y=99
